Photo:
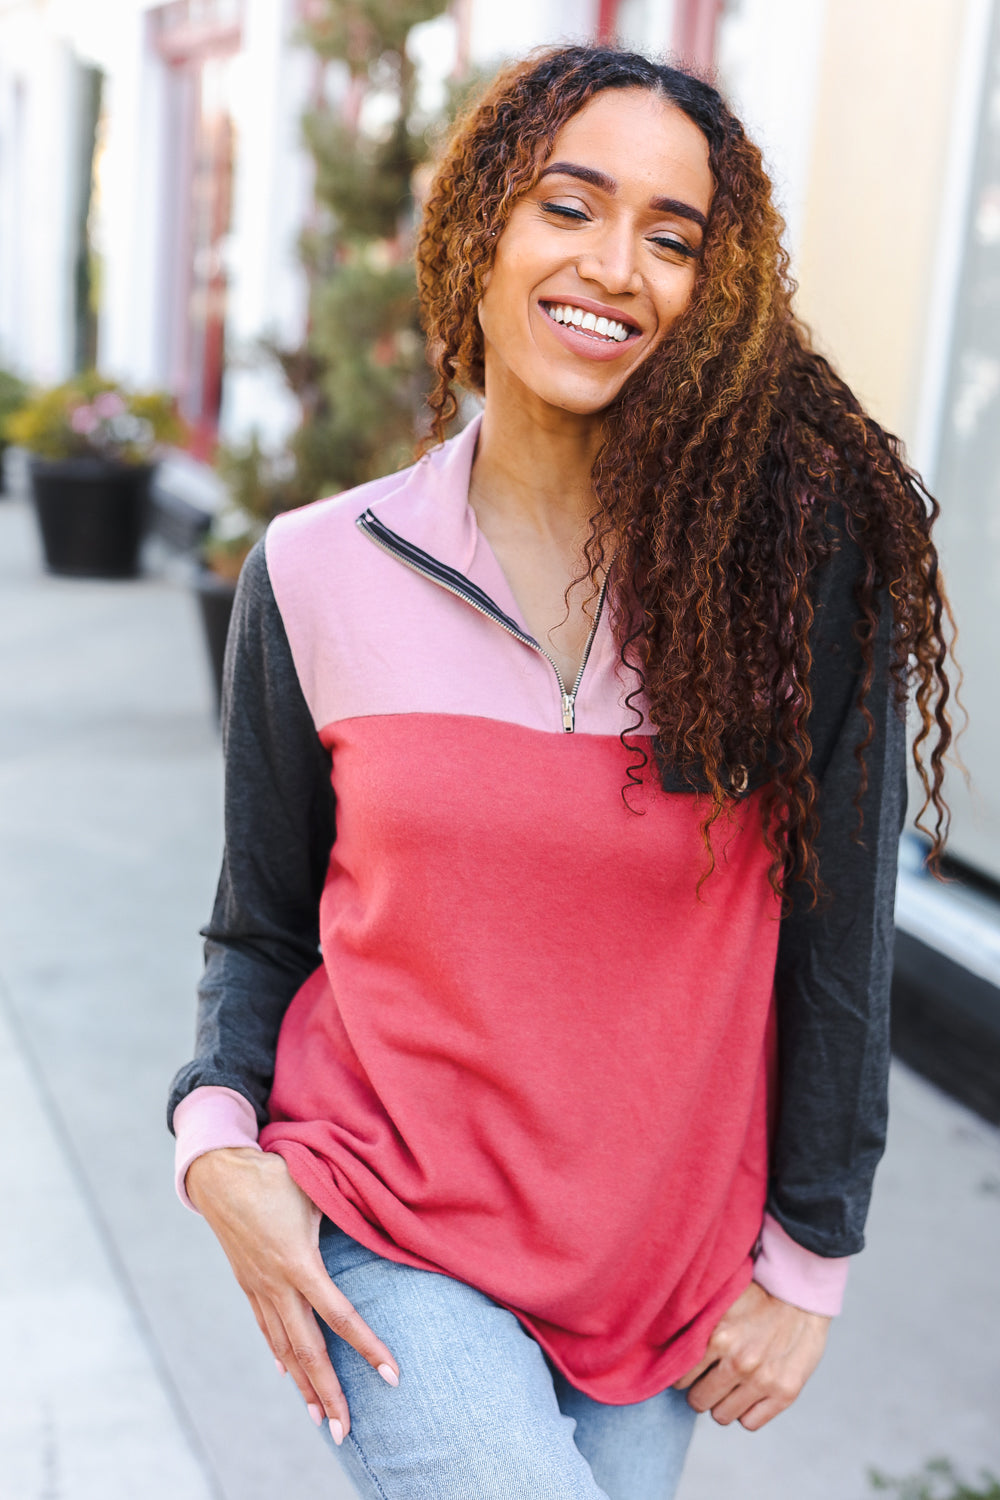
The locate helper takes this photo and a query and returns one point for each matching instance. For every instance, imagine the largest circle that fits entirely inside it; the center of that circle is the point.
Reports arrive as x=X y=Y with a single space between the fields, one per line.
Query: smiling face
x=598 y=259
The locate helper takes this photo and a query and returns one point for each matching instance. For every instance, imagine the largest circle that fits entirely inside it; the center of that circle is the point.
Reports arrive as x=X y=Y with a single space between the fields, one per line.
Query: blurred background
x=206 y=317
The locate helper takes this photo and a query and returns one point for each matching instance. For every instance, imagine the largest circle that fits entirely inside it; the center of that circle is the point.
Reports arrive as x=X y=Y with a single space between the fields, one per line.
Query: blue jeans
x=480 y=1414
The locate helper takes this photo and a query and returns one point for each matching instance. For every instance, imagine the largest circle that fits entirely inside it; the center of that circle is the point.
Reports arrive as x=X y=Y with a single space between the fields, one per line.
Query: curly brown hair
x=731 y=462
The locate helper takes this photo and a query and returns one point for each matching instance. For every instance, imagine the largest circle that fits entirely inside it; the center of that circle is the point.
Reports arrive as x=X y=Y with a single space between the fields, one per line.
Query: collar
x=429 y=503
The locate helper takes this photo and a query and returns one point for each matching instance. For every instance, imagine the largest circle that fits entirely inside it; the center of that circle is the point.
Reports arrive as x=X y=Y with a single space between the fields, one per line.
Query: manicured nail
x=280 y=1367
x=388 y=1374
x=316 y=1412
x=336 y=1431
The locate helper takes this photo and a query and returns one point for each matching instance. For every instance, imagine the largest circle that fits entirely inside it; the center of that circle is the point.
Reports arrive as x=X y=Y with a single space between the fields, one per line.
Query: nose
x=610 y=260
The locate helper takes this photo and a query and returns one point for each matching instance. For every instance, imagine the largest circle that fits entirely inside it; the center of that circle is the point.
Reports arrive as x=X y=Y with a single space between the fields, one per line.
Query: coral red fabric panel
x=536 y=1057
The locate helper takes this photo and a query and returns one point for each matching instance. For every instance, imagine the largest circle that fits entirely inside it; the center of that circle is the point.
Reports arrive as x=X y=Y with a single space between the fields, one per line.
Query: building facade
x=185 y=189
x=153 y=186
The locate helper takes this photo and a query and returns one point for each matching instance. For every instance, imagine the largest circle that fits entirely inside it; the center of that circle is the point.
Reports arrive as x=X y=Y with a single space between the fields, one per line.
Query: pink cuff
x=206 y=1119
x=788 y=1270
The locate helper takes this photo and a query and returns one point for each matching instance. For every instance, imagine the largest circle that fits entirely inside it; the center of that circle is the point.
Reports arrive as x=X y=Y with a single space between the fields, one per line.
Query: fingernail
x=388 y=1374
x=316 y=1412
x=280 y=1367
x=336 y=1431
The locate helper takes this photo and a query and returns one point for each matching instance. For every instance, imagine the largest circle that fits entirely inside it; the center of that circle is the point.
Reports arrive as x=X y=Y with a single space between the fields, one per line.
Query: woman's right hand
x=269 y=1230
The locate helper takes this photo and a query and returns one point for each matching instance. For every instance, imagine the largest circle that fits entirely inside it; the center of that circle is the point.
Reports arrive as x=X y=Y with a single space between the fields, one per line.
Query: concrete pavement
x=132 y=1368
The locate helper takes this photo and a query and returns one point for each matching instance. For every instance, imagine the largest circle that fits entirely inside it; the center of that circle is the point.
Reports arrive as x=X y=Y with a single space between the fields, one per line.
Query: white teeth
x=575 y=316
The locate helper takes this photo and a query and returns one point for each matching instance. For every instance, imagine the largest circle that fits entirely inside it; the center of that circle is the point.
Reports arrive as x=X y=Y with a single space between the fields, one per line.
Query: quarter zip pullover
x=534 y=1056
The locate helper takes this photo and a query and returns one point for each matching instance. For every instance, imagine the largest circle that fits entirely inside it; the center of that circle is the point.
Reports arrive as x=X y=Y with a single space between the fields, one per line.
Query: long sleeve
x=263 y=938
x=834 y=964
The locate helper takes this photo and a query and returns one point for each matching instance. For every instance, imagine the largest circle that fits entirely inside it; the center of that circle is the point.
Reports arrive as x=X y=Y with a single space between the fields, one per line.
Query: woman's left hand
x=758 y=1359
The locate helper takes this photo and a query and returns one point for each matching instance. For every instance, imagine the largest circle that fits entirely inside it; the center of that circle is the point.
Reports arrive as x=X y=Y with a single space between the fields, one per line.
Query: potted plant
x=92 y=448
x=13 y=394
x=259 y=487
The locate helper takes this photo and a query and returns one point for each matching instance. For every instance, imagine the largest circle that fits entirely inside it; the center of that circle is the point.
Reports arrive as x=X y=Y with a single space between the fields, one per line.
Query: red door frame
x=186 y=45
x=695 y=29
x=607 y=19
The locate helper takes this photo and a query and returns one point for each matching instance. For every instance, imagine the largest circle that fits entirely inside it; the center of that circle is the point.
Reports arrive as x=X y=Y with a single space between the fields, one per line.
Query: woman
x=569 y=1135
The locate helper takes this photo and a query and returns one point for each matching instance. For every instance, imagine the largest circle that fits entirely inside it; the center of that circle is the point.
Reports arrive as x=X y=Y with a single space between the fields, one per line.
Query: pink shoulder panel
x=370 y=635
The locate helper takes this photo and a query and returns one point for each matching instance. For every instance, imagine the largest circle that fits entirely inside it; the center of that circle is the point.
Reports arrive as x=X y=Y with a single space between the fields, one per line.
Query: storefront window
x=967 y=481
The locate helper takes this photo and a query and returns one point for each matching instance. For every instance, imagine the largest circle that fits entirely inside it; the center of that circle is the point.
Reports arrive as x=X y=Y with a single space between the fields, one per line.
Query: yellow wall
x=866 y=262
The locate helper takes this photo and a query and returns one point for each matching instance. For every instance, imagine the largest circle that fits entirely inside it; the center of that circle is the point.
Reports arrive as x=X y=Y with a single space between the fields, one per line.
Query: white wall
x=647 y=25
x=268 y=289
x=42 y=46
x=130 y=215
x=38 y=98
x=13 y=130
x=769 y=63
x=506 y=28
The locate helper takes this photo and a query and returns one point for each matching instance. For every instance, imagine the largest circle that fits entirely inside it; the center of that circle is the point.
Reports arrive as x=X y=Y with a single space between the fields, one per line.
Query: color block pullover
x=533 y=1056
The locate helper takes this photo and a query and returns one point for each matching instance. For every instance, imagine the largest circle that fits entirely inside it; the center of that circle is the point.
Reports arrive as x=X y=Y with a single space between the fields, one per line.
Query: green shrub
x=93 y=417
x=13 y=395
x=937 y=1481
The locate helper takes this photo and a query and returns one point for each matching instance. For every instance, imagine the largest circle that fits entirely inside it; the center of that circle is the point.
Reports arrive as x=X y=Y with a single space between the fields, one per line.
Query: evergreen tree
x=360 y=376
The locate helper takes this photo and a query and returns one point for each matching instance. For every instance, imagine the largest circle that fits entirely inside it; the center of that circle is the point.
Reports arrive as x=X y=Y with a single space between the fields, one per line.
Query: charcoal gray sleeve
x=834 y=965
x=263 y=938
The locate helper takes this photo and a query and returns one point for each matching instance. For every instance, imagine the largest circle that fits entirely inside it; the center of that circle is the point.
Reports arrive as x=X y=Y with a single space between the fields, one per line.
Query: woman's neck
x=534 y=476
x=533 y=499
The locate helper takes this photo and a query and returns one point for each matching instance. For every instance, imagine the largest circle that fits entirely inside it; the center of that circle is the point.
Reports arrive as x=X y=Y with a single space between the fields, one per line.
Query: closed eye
x=563 y=211
x=662 y=242
x=676 y=247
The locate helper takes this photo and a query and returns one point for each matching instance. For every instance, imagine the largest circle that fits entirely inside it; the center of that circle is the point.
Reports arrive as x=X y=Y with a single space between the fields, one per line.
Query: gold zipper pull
x=569 y=712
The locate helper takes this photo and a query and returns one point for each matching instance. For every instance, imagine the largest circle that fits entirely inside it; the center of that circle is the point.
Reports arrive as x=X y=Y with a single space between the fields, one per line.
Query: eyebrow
x=609 y=185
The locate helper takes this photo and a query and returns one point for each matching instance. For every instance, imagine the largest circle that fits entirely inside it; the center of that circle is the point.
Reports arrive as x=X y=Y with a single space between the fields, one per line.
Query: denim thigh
x=479 y=1413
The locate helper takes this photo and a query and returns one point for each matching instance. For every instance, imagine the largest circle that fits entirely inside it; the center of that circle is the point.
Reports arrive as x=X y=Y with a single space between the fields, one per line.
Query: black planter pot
x=215 y=601
x=92 y=515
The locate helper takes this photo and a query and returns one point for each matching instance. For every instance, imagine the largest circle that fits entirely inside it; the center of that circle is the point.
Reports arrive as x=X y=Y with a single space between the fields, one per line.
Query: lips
x=590 y=328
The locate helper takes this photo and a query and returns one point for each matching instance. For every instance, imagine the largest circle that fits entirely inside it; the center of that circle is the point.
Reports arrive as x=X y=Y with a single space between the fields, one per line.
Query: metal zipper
x=456 y=583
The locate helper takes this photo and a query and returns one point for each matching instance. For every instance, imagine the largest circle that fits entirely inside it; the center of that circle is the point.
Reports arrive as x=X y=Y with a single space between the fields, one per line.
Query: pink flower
x=83 y=419
x=109 y=404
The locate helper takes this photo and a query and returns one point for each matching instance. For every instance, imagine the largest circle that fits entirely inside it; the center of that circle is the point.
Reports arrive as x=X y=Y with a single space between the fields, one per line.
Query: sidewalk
x=133 y=1369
